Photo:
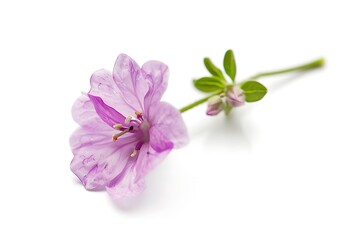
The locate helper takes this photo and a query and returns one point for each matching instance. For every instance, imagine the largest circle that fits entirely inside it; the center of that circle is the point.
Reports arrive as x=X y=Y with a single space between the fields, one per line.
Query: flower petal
x=108 y=114
x=168 y=129
x=103 y=86
x=131 y=82
x=157 y=74
x=124 y=185
x=84 y=114
x=148 y=158
x=159 y=141
x=97 y=159
x=131 y=181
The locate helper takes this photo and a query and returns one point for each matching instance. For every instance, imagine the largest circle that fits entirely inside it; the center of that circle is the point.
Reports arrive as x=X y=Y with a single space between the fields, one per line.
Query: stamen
x=139 y=115
x=139 y=145
x=117 y=135
x=133 y=154
x=117 y=126
x=127 y=120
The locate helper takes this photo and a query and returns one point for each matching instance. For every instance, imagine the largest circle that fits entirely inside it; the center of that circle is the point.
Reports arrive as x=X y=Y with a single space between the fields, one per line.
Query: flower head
x=125 y=130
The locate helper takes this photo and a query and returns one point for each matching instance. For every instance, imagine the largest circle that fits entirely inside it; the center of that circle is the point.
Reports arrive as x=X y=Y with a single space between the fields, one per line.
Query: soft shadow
x=130 y=204
x=76 y=181
x=234 y=130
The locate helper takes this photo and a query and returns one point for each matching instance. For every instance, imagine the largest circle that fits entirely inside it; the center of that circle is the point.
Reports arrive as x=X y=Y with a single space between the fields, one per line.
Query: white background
x=286 y=167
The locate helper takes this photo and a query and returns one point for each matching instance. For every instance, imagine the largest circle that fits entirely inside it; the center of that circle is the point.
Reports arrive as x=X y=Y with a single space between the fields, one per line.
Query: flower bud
x=215 y=105
x=235 y=97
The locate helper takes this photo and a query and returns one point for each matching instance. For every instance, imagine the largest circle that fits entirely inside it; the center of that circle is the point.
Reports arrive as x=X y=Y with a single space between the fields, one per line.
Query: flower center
x=142 y=128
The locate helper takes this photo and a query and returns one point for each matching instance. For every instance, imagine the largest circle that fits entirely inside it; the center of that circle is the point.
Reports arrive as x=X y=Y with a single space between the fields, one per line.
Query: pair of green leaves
x=229 y=66
x=254 y=91
x=217 y=81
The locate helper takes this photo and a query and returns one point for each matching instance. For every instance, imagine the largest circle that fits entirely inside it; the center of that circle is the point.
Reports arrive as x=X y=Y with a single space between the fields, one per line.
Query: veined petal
x=130 y=182
x=104 y=86
x=97 y=159
x=124 y=185
x=148 y=158
x=168 y=129
x=131 y=82
x=108 y=114
x=157 y=74
x=159 y=140
x=84 y=114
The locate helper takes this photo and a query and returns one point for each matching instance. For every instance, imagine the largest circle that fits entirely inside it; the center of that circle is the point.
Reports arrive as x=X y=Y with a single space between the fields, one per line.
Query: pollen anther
x=133 y=154
x=127 y=120
x=117 y=135
x=117 y=126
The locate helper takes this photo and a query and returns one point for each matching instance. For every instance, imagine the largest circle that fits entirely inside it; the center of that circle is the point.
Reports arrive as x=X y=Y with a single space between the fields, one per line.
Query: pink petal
x=97 y=159
x=103 y=86
x=147 y=160
x=131 y=182
x=84 y=114
x=124 y=185
x=159 y=140
x=157 y=74
x=108 y=114
x=131 y=82
x=168 y=129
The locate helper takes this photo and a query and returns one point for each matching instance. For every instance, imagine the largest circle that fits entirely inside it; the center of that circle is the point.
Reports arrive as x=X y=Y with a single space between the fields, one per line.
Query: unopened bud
x=215 y=105
x=235 y=97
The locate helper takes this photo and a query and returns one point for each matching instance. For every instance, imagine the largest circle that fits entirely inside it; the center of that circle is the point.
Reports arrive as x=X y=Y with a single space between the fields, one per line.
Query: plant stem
x=312 y=65
x=315 y=64
x=198 y=102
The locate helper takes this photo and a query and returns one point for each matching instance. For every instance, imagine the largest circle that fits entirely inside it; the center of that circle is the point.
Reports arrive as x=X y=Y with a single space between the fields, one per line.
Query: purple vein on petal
x=120 y=176
x=108 y=114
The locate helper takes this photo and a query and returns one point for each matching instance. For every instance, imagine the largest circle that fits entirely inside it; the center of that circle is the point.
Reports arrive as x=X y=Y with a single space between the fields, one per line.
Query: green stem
x=315 y=64
x=198 y=102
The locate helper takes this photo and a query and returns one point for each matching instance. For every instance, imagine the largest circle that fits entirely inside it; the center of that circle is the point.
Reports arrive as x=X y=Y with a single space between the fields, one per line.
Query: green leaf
x=230 y=65
x=254 y=91
x=209 y=84
x=215 y=71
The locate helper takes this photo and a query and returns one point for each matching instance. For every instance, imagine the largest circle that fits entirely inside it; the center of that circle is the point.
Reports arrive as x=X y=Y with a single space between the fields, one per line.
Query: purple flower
x=125 y=130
